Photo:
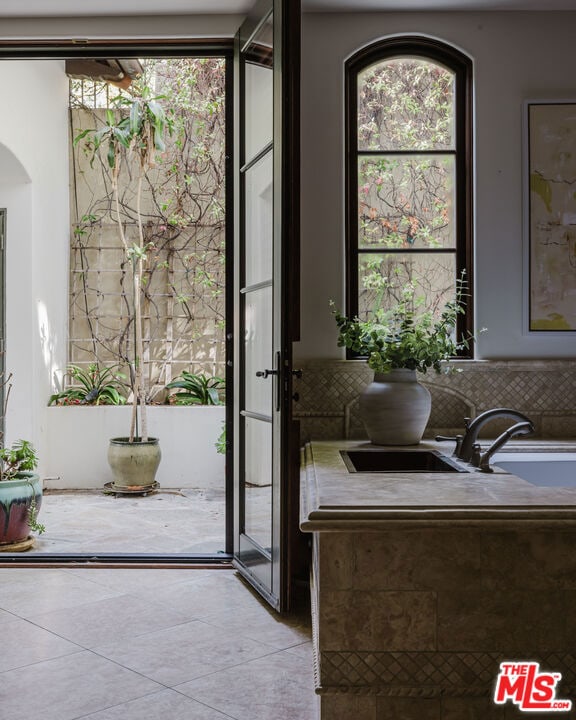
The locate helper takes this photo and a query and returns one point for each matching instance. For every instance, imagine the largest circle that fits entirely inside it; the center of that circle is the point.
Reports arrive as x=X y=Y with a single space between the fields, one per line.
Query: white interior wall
x=33 y=128
x=517 y=56
x=121 y=27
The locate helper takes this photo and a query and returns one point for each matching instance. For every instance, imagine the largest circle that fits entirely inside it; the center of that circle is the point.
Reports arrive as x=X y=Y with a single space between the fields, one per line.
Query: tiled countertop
x=333 y=498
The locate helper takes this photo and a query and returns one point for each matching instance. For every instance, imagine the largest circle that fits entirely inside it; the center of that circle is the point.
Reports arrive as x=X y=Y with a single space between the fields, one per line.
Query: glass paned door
x=262 y=358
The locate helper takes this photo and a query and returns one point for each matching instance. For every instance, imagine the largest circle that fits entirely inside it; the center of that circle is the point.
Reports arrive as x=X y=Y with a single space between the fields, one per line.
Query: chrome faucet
x=466 y=444
x=481 y=460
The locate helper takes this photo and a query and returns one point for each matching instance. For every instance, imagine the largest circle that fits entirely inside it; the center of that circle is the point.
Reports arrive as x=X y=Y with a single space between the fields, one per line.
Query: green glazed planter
x=15 y=499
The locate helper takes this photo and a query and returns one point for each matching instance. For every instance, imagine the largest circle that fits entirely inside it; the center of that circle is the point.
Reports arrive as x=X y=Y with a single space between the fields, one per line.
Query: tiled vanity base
x=413 y=612
x=412 y=625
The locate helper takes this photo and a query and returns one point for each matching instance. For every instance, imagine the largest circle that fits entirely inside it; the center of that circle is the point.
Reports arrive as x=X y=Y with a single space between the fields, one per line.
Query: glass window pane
x=406 y=202
x=258 y=350
x=259 y=104
x=381 y=278
x=257 y=483
x=258 y=188
x=406 y=104
x=259 y=94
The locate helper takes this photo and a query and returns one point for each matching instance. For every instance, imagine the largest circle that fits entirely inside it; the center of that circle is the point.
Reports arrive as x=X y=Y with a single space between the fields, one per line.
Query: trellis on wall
x=183 y=204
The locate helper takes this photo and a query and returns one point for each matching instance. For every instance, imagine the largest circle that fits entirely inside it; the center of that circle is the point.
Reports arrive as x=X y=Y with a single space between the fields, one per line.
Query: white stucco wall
x=517 y=56
x=34 y=192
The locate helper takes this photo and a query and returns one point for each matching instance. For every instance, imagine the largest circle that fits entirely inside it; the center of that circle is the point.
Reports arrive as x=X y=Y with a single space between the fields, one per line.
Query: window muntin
x=408 y=174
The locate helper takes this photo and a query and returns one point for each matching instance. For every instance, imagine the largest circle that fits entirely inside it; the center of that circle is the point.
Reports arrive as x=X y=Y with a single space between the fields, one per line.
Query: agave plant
x=196 y=389
x=93 y=386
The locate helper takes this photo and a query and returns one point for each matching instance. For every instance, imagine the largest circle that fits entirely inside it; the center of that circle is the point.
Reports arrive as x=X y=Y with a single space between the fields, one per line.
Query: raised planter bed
x=78 y=438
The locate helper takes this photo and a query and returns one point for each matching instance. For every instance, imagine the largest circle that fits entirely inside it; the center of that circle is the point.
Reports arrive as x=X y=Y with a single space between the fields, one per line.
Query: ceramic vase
x=395 y=408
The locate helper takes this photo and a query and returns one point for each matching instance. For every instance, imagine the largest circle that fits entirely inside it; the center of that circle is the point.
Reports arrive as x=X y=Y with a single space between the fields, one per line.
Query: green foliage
x=196 y=389
x=406 y=107
x=220 y=444
x=93 y=386
x=20 y=457
x=405 y=102
x=140 y=128
x=33 y=523
x=183 y=202
x=402 y=337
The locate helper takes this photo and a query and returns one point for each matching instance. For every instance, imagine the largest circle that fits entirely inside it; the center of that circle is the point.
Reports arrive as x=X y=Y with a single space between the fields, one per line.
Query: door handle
x=265 y=373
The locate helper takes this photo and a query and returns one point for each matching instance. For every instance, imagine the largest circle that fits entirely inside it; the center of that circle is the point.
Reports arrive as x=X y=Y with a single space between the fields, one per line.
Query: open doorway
x=186 y=315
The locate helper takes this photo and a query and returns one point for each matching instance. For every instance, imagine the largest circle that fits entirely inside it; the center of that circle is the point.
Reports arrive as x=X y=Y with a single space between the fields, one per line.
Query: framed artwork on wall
x=550 y=215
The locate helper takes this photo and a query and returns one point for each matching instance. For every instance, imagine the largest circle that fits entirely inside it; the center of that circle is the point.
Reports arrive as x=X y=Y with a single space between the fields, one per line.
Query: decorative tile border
x=543 y=390
x=426 y=674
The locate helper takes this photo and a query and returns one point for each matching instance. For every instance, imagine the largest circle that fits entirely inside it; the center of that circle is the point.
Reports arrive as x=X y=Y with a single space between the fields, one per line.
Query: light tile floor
x=148 y=644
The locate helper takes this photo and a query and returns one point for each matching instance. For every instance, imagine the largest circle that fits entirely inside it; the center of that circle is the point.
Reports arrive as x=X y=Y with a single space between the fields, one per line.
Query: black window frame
x=458 y=63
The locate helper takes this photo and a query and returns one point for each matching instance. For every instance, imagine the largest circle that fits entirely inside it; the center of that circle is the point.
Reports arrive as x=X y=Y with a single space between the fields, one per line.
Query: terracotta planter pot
x=395 y=408
x=134 y=465
x=15 y=499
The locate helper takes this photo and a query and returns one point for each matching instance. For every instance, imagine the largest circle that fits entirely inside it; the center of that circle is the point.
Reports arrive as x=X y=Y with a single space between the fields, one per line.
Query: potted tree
x=132 y=136
x=20 y=491
x=398 y=343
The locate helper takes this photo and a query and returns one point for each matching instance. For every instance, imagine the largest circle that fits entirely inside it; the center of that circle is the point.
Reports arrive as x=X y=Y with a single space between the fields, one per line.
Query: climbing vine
x=184 y=230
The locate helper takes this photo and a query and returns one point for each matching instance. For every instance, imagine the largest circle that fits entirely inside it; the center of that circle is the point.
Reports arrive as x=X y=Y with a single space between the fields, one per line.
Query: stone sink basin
x=405 y=461
x=545 y=469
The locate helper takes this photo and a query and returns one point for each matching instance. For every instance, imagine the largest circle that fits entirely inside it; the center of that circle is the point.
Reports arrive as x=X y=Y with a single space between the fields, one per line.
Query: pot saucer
x=112 y=488
x=21 y=546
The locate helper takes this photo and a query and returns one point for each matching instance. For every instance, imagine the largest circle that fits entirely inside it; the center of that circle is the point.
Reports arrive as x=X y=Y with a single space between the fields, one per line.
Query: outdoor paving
x=168 y=521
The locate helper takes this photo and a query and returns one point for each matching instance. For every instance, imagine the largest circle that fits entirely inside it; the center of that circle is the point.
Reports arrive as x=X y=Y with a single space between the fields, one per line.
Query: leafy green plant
x=403 y=337
x=220 y=444
x=94 y=386
x=196 y=389
x=19 y=457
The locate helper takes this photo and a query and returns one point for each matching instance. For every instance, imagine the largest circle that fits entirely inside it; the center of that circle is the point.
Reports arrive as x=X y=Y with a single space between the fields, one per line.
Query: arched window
x=408 y=174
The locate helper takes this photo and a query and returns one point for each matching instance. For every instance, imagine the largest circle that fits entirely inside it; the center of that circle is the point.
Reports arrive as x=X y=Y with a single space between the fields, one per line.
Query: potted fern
x=132 y=135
